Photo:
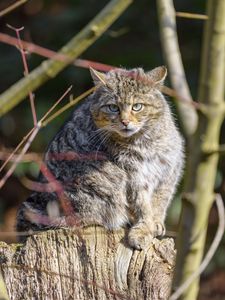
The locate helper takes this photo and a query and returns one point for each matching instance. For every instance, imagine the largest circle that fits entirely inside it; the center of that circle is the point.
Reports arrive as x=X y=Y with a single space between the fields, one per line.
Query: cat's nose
x=125 y=122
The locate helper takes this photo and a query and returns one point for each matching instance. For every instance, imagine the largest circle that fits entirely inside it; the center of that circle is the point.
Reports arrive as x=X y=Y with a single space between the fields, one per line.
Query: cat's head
x=127 y=101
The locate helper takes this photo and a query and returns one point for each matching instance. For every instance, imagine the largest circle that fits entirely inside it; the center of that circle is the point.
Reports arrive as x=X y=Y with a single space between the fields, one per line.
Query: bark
x=203 y=160
x=91 y=263
x=50 y=68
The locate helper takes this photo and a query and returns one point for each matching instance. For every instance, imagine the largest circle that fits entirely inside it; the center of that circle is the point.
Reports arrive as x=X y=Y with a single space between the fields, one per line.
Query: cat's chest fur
x=145 y=167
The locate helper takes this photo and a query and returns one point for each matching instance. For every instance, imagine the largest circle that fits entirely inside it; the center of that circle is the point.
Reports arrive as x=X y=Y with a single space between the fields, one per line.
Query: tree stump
x=89 y=263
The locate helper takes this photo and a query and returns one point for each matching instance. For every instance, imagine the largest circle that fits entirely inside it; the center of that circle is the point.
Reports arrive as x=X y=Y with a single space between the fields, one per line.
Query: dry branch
x=50 y=68
x=89 y=264
x=169 y=40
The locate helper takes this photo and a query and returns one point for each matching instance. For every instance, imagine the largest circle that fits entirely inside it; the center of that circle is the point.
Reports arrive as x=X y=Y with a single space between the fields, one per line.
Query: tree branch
x=169 y=40
x=50 y=68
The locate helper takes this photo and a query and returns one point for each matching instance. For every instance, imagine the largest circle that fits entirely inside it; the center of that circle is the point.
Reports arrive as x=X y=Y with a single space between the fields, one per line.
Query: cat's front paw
x=159 y=228
x=140 y=237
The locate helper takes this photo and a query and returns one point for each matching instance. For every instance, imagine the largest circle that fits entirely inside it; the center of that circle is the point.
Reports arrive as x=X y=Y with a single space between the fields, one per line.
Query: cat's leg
x=160 y=202
x=151 y=211
x=142 y=232
x=159 y=205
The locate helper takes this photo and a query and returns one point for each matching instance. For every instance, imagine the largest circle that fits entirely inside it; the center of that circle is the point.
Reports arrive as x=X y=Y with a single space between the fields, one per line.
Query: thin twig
x=38 y=186
x=26 y=70
x=12 y=7
x=6 y=154
x=68 y=105
x=56 y=103
x=27 y=139
x=16 y=149
x=44 y=52
x=210 y=253
x=52 y=273
x=33 y=48
x=191 y=15
x=50 y=68
x=24 y=150
x=75 y=230
x=70 y=155
x=66 y=205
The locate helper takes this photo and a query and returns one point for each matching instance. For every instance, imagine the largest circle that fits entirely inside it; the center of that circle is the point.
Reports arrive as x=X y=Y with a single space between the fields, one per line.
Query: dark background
x=133 y=40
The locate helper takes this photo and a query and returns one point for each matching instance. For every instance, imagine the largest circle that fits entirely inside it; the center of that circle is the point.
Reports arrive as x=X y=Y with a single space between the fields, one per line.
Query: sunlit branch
x=12 y=7
x=50 y=68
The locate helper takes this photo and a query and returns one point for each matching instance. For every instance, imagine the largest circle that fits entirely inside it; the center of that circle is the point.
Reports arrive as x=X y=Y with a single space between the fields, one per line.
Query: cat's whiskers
x=101 y=135
x=106 y=136
x=96 y=137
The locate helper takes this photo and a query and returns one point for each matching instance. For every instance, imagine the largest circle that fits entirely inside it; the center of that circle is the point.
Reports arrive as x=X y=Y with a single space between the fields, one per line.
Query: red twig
x=26 y=70
x=7 y=39
x=68 y=210
x=36 y=157
x=83 y=63
x=38 y=186
x=33 y=48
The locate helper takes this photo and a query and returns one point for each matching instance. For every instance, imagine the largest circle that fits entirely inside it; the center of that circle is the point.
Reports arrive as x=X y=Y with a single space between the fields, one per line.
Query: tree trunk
x=203 y=158
x=90 y=263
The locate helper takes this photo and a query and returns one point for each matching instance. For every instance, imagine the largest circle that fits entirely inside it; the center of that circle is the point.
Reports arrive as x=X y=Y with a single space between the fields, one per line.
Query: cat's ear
x=98 y=77
x=158 y=75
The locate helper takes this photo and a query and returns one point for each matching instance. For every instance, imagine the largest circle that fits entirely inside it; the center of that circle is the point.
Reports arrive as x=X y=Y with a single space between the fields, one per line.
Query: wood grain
x=90 y=263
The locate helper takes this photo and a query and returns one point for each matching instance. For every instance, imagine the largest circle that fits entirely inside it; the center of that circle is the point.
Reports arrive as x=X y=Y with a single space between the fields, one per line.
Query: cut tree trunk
x=89 y=263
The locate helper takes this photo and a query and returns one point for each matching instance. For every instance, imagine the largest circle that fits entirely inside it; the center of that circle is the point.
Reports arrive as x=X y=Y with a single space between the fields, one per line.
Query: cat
x=126 y=159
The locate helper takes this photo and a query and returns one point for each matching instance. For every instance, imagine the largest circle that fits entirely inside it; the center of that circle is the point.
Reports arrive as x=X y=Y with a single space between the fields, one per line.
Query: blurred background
x=133 y=40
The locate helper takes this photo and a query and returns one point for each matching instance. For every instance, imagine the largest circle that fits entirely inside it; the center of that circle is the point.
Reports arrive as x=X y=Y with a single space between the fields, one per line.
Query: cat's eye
x=113 y=108
x=137 y=107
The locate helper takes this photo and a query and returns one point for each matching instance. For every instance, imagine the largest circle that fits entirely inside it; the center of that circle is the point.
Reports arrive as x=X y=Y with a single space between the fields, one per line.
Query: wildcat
x=128 y=159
